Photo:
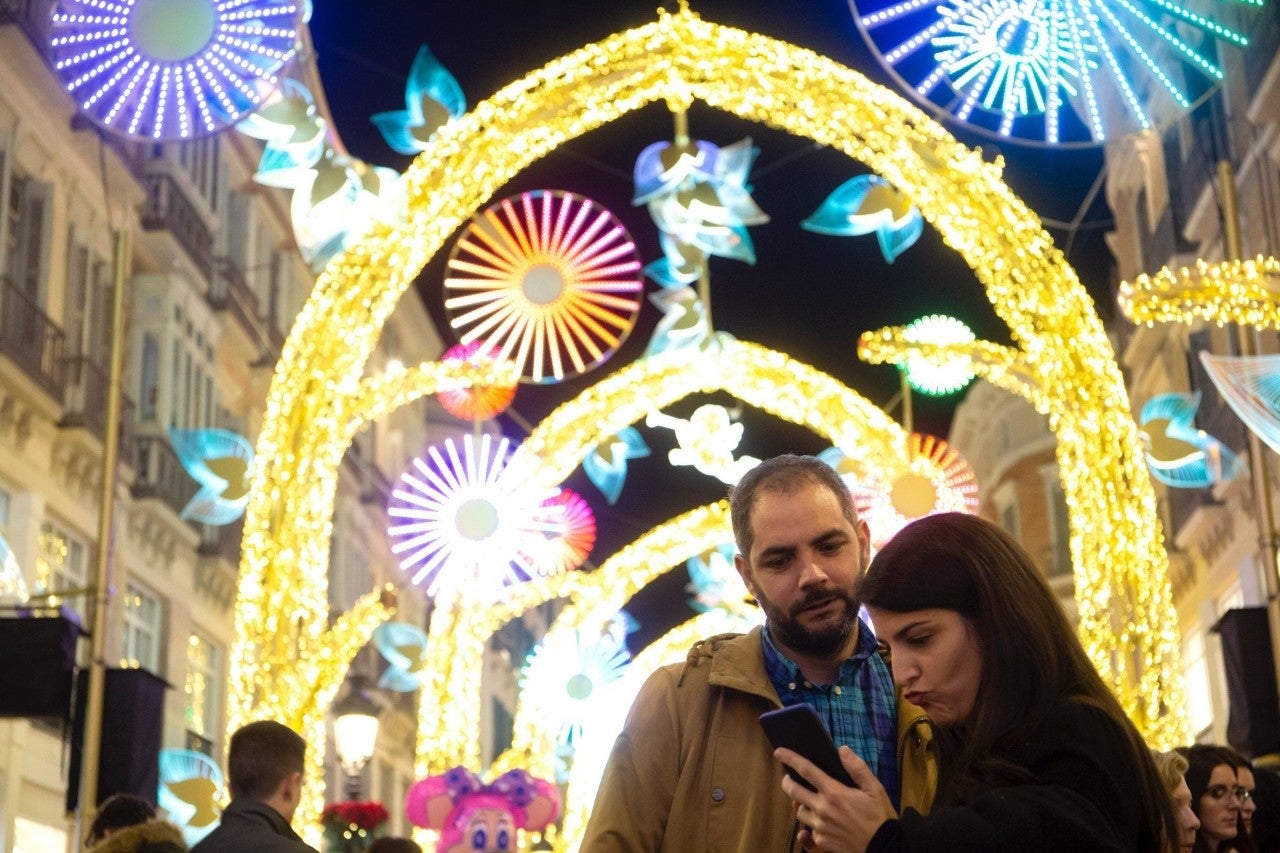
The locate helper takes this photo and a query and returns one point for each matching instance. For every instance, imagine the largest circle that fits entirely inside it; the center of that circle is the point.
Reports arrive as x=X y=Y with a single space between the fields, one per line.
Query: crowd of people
x=970 y=719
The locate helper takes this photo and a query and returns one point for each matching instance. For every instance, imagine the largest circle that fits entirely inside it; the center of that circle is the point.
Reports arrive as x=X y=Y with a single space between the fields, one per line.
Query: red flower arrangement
x=351 y=826
x=367 y=815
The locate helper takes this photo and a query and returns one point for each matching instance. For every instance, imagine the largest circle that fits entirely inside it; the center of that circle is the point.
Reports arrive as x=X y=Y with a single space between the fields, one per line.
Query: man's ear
x=744 y=571
x=291 y=788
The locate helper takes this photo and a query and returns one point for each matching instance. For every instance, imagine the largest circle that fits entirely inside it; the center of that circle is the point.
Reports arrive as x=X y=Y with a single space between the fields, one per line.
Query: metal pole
x=92 y=752
x=1260 y=471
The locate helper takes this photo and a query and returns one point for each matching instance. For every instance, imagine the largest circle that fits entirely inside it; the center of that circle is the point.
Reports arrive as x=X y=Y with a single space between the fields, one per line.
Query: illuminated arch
x=287 y=665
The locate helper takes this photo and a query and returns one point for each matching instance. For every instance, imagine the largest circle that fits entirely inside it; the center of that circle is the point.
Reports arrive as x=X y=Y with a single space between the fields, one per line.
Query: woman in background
x=1218 y=798
x=1172 y=767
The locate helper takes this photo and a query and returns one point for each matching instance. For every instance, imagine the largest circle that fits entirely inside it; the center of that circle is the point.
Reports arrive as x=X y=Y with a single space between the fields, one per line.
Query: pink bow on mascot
x=473 y=817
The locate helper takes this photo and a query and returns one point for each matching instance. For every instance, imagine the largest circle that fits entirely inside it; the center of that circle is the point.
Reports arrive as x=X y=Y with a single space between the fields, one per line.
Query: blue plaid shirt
x=860 y=708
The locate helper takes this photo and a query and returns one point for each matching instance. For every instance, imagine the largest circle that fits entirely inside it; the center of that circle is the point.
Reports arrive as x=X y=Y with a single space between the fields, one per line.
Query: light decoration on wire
x=706 y=439
x=403 y=647
x=1178 y=454
x=1045 y=71
x=476 y=401
x=1251 y=387
x=468 y=518
x=606 y=463
x=220 y=461
x=868 y=204
x=320 y=396
x=931 y=477
x=432 y=97
x=171 y=69
x=1241 y=292
x=189 y=789
x=545 y=278
x=564 y=673
x=573 y=536
x=929 y=377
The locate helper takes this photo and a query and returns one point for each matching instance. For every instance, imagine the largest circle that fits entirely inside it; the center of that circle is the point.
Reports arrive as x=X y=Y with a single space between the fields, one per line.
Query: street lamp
x=355 y=731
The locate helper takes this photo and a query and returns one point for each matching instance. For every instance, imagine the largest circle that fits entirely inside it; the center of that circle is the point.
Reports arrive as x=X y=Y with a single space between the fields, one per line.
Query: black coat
x=249 y=826
x=1085 y=797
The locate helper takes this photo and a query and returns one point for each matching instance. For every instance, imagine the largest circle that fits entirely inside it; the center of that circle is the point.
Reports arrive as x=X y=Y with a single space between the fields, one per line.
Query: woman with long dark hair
x=1034 y=751
x=1219 y=798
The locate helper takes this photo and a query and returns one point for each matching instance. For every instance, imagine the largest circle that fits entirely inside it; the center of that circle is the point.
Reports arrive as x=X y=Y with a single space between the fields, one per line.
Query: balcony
x=85 y=405
x=160 y=475
x=222 y=540
x=229 y=292
x=31 y=340
x=168 y=209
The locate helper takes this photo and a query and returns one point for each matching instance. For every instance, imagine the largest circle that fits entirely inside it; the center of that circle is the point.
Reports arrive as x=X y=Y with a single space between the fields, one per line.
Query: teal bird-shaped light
x=866 y=204
x=190 y=785
x=1177 y=453
x=714 y=581
x=432 y=97
x=606 y=464
x=404 y=647
x=220 y=461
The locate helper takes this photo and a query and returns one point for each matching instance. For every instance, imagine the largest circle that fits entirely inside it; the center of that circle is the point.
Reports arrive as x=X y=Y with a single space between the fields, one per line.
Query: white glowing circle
x=172 y=30
x=543 y=284
x=476 y=519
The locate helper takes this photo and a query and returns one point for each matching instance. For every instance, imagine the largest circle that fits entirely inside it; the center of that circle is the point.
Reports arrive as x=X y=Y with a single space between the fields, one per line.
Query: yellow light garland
x=1243 y=292
x=285 y=664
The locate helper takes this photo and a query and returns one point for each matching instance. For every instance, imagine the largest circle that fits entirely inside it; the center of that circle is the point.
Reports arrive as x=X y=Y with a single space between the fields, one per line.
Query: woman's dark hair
x=116 y=812
x=1202 y=760
x=1032 y=657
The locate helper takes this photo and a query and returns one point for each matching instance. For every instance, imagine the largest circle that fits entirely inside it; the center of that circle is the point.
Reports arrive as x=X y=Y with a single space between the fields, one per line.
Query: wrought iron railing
x=160 y=475
x=168 y=208
x=85 y=405
x=31 y=339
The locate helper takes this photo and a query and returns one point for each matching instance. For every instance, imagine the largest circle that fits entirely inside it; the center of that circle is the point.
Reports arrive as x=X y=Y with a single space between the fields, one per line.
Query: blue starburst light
x=1047 y=71
x=171 y=69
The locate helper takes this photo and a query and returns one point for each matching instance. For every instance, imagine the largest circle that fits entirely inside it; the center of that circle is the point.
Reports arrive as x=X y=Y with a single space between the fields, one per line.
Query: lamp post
x=355 y=731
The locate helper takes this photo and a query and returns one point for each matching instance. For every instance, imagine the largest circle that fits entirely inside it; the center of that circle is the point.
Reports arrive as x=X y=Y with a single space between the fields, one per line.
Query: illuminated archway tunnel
x=287 y=664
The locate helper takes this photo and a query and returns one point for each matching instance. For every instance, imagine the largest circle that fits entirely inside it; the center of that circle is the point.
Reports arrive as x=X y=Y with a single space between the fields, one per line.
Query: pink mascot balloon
x=473 y=817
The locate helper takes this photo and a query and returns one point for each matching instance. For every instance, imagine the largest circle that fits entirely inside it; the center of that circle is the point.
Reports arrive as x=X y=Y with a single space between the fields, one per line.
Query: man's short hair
x=786 y=473
x=117 y=812
x=261 y=756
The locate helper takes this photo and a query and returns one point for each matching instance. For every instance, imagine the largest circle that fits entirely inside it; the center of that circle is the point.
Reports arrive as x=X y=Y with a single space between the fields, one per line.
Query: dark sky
x=808 y=295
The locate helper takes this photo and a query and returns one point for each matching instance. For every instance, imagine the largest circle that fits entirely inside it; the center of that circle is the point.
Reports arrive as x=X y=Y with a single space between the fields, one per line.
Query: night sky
x=808 y=295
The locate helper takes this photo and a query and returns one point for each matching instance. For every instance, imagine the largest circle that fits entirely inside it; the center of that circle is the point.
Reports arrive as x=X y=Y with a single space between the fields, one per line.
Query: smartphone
x=800 y=729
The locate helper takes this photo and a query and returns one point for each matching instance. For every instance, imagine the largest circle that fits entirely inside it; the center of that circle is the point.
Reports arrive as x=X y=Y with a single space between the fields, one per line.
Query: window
x=62 y=565
x=204 y=674
x=1195 y=675
x=25 y=233
x=142 y=615
x=1059 y=525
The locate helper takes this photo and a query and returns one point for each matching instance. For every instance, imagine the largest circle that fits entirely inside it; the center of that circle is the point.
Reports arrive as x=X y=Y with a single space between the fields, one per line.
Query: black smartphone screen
x=800 y=729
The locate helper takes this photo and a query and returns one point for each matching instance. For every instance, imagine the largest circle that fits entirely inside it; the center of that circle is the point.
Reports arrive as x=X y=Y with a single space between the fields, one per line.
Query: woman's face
x=1219 y=806
x=1188 y=823
x=1244 y=777
x=936 y=660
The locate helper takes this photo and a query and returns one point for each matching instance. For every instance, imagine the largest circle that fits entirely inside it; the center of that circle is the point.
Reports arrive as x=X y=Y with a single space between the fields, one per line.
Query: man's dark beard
x=794 y=636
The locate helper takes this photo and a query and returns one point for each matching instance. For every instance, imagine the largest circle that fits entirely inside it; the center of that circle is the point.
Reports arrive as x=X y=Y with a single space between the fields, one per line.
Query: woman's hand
x=837 y=818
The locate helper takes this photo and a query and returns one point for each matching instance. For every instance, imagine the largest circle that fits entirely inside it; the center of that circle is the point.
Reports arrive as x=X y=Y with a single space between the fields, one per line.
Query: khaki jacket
x=693 y=771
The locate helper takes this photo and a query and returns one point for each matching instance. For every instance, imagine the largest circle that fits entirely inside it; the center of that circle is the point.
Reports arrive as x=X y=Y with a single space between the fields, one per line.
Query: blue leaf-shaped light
x=432 y=97
x=606 y=464
x=220 y=461
x=664 y=167
x=1177 y=453
x=866 y=204
x=404 y=647
x=681 y=263
x=190 y=784
x=714 y=581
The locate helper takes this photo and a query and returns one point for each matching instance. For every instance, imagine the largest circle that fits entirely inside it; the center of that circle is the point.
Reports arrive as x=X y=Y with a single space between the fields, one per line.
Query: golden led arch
x=287 y=665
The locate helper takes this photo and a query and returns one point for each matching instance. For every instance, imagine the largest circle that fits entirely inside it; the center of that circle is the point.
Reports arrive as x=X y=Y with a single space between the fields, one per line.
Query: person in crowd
x=1172 y=767
x=392 y=844
x=1218 y=798
x=265 y=763
x=1034 y=751
x=692 y=768
x=127 y=824
x=1265 y=823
